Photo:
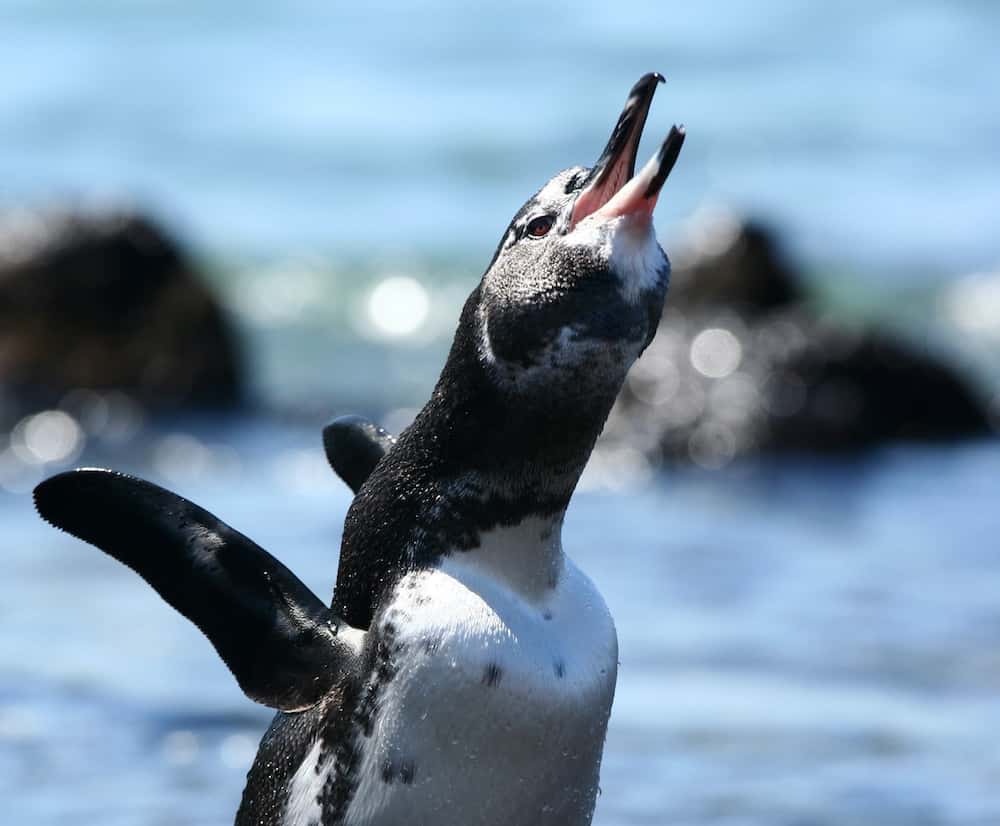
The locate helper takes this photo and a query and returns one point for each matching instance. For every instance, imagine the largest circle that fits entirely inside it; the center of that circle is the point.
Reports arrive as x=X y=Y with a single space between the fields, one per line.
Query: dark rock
x=109 y=301
x=742 y=267
x=742 y=367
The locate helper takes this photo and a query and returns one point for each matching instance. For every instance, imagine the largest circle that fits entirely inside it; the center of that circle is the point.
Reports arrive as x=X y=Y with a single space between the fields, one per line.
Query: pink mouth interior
x=616 y=197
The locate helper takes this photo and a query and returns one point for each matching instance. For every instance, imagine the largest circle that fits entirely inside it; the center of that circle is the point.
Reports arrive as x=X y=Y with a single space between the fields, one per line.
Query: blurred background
x=223 y=224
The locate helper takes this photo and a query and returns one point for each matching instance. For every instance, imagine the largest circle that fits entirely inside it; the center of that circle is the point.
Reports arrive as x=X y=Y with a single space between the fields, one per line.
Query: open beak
x=613 y=189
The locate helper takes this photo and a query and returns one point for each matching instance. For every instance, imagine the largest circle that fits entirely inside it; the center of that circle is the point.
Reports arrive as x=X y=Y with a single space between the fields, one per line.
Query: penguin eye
x=540 y=226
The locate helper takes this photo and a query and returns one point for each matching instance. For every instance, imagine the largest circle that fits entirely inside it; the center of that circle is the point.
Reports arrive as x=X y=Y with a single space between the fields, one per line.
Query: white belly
x=497 y=704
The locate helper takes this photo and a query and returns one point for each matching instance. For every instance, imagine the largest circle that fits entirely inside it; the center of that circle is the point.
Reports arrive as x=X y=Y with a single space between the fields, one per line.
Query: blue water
x=803 y=643
x=867 y=130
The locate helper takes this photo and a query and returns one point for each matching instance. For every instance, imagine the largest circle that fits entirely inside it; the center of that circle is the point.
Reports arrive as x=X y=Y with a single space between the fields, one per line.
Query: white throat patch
x=629 y=245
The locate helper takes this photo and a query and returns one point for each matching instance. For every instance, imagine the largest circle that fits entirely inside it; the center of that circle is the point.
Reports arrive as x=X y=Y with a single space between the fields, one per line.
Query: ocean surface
x=865 y=129
x=803 y=642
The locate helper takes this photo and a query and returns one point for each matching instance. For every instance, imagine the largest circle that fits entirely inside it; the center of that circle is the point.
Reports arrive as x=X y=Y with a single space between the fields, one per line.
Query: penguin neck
x=499 y=458
x=525 y=449
x=501 y=492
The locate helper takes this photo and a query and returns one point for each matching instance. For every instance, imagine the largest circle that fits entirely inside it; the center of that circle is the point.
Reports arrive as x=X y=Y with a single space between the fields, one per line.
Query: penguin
x=353 y=446
x=465 y=669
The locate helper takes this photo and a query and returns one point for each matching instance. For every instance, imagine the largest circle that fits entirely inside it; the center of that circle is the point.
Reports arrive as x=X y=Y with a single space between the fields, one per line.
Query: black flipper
x=279 y=640
x=354 y=446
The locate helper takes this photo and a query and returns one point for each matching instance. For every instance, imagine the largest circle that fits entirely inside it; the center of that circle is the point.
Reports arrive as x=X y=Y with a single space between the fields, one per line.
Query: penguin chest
x=483 y=701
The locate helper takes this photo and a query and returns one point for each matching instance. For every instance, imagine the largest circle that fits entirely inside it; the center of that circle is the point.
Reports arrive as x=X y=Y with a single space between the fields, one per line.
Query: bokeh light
x=716 y=353
x=398 y=306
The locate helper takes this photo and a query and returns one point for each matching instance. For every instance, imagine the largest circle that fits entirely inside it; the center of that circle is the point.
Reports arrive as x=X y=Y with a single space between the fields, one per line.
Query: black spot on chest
x=407 y=771
x=394 y=769
x=492 y=675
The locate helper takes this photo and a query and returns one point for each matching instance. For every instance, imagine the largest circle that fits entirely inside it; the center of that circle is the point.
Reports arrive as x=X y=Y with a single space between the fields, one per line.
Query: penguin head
x=575 y=289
